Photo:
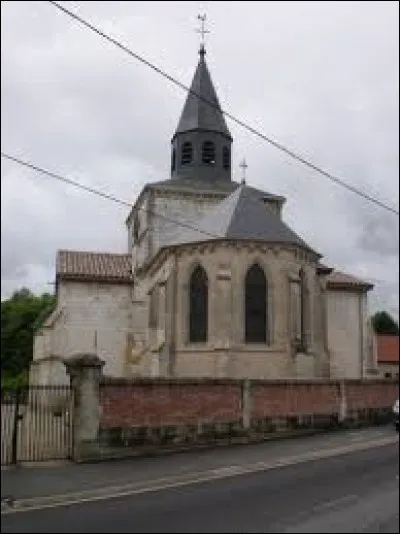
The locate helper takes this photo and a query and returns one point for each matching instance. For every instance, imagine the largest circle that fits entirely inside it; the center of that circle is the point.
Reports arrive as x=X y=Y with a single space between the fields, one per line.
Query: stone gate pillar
x=85 y=371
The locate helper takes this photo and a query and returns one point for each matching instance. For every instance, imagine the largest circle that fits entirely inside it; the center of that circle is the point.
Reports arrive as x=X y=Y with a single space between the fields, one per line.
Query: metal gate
x=36 y=424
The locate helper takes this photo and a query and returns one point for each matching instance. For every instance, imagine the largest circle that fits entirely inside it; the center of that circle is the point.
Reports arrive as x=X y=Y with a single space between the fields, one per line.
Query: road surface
x=355 y=492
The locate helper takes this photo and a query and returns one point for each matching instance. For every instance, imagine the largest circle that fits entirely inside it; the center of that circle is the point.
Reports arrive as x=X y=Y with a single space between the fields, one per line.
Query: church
x=213 y=282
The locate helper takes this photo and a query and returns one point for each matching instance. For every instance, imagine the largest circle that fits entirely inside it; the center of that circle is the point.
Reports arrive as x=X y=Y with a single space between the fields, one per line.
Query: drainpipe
x=361 y=326
x=303 y=310
x=173 y=321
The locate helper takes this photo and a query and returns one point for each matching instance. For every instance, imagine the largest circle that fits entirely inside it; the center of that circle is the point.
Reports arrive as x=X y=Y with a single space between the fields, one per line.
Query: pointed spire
x=202 y=143
x=197 y=114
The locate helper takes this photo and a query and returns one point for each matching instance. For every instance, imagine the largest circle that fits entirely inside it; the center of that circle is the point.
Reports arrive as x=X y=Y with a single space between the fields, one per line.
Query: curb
x=111 y=455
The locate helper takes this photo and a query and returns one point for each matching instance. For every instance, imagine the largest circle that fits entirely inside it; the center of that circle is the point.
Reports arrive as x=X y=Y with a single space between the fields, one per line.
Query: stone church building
x=213 y=283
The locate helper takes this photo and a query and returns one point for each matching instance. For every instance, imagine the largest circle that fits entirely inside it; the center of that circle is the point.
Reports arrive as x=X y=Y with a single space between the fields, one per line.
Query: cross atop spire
x=202 y=31
x=202 y=111
x=243 y=165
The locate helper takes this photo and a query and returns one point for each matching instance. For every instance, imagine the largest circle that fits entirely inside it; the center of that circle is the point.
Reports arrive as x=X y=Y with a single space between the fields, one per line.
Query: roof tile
x=101 y=266
x=388 y=348
x=338 y=279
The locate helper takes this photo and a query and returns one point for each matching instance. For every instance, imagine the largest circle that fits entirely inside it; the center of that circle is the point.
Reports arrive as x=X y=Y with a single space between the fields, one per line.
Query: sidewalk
x=50 y=480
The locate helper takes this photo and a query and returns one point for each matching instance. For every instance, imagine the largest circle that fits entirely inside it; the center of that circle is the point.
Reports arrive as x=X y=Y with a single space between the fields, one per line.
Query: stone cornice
x=99 y=279
x=256 y=246
x=343 y=286
x=188 y=193
x=202 y=247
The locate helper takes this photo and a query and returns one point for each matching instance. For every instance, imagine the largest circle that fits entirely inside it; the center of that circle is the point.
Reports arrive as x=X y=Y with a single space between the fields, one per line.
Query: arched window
x=226 y=158
x=198 y=306
x=173 y=160
x=187 y=153
x=255 y=305
x=208 y=153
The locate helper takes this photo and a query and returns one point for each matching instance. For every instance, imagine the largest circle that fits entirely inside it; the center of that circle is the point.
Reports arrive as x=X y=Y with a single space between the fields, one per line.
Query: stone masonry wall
x=186 y=208
x=97 y=317
x=225 y=354
x=347 y=333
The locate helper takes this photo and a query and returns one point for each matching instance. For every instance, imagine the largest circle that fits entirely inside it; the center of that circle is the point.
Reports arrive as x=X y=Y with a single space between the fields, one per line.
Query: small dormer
x=275 y=204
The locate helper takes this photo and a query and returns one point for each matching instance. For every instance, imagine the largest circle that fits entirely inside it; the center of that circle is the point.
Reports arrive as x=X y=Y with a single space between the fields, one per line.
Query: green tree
x=21 y=315
x=384 y=323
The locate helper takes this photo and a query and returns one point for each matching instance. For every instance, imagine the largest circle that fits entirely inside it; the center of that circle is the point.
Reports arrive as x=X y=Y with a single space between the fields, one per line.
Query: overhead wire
x=102 y=194
x=241 y=123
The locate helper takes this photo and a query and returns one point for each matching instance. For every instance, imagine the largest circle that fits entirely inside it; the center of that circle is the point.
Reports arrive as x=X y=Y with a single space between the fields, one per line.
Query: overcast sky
x=319 y=77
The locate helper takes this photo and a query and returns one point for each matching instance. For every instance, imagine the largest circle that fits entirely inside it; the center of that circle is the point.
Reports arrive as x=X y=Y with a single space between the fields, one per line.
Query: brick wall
x=155 y=403
x=289 y=399
x=360 y=395
x=158 y=402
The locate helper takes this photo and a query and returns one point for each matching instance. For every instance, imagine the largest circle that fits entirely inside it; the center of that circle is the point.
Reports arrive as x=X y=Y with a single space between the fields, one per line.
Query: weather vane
x=202 y=31
x=243 y=165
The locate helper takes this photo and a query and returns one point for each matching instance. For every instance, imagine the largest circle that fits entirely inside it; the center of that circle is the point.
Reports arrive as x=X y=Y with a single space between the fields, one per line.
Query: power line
x=108 y=196
x=64 y=179
x=101 y=194
x=244 y=125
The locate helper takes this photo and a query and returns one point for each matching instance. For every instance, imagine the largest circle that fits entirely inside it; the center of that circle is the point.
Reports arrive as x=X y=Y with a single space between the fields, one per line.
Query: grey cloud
x=321 y=77
x=380 y=235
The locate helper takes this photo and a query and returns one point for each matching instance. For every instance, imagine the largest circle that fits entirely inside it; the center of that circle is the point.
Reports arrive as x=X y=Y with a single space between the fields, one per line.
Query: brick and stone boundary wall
x=118 y=417
x=155 y=403
x=154 y=412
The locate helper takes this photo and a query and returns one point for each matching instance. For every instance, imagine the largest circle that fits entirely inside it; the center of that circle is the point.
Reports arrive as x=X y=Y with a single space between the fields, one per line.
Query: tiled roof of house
x=94 y=266
x=339 y=280
x=388 y=348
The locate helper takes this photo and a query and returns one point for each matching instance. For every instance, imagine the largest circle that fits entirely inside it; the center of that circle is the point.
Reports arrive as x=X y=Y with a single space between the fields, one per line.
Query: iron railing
x=36 y=424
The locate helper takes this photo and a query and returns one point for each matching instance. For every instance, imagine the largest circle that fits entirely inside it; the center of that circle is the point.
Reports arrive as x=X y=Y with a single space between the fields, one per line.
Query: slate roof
x=94 y=266
x=240 y=216
x=388 y=348
x=339 y=280
x=198 y=114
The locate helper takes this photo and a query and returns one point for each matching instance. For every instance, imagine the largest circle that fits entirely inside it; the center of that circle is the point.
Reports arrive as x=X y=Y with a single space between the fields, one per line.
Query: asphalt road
x=356 y=492
x=60 y=478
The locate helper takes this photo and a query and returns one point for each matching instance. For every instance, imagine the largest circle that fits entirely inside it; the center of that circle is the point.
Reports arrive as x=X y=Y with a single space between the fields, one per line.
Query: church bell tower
x=202 y=143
